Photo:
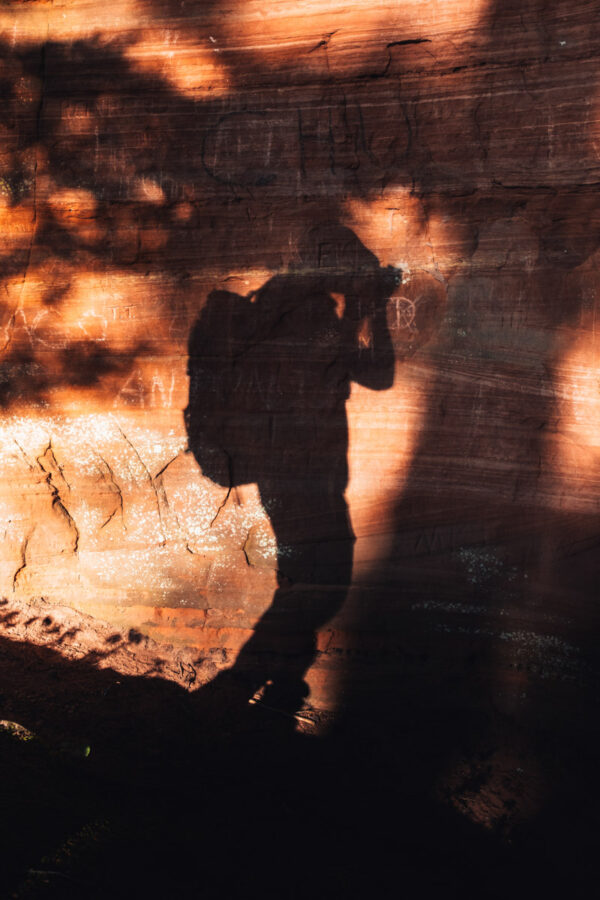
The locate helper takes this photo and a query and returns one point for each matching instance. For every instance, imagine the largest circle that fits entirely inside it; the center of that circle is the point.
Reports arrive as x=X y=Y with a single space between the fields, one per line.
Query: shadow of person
x=270 y=374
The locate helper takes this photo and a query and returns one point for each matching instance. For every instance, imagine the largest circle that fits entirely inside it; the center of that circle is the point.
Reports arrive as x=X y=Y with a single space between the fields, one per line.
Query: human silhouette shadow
x=270 y=374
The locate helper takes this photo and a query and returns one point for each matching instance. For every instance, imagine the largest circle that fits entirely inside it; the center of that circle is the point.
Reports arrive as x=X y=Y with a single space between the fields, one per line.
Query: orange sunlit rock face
x=576 y=441
x=319 y=277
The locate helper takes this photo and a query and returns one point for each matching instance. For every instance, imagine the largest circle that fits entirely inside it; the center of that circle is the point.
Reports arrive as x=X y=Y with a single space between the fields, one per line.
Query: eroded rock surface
x=154 y=154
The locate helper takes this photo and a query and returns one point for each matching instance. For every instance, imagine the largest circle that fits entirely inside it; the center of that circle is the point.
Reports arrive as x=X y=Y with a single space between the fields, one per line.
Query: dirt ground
x=125 y=775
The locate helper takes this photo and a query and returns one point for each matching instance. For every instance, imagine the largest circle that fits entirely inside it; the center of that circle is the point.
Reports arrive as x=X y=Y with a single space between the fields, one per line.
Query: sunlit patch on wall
x=402 y=232
x=385 y=426
x=74 y=209
x=336 y=37
x=574 y=450
x=247 y=281
x=190 y=64
x=384 y=431
x=104 y=506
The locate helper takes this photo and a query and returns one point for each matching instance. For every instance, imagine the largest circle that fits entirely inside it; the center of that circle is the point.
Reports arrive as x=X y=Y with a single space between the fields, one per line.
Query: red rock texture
x=439 y=512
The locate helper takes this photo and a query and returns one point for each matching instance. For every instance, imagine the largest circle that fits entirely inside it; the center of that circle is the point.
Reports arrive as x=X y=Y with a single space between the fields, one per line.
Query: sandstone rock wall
x=154 y=152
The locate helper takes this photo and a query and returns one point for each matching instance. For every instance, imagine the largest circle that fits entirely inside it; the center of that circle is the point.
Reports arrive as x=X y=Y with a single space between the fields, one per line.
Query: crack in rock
x=245 y=552
x=45 y=458
x=156 y=491
x=112 y=480
x=23 y=565
x=229 y=489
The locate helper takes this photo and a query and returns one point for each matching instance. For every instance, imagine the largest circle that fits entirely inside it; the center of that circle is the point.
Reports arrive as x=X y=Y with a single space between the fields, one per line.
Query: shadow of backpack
x=216 y=418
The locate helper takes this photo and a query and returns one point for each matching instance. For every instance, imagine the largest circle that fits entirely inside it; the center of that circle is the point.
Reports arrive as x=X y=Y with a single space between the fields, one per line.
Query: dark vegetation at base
x=192 y=794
